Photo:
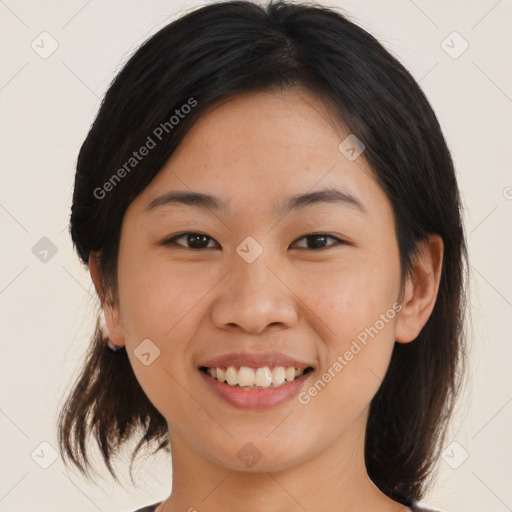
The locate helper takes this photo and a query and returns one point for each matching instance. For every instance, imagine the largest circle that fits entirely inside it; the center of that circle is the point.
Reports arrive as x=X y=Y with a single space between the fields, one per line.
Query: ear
x=110 y=310
x=421 y=289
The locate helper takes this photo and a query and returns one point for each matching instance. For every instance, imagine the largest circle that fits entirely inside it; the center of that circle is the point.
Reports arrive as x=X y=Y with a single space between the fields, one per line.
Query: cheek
x=160 y=303
x=355 y=312
x=157 y=297
x=350 y=295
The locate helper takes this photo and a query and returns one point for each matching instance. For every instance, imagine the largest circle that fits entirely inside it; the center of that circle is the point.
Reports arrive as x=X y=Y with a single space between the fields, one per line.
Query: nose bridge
x=252 y=258
x=253 y=279
x=253 y=297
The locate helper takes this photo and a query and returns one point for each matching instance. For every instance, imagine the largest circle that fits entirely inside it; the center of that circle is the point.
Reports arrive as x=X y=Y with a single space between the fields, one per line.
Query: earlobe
x=421 y=289
x=110 y=310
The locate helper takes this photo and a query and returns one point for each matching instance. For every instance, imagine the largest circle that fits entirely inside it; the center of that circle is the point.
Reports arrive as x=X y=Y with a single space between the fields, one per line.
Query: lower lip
x=255 y=398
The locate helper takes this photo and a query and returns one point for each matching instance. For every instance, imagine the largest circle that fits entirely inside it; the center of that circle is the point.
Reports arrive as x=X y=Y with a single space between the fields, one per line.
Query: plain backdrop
x=47 y=103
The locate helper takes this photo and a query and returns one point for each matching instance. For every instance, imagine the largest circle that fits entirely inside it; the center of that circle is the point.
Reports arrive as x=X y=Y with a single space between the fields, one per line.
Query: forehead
x=257 y=149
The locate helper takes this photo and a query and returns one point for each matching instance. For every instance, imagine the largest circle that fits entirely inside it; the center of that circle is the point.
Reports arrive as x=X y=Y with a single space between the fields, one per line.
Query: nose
x=254 y=297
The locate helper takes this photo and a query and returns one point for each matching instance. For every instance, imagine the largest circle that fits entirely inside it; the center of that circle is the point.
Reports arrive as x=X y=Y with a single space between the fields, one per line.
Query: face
x=317 y=282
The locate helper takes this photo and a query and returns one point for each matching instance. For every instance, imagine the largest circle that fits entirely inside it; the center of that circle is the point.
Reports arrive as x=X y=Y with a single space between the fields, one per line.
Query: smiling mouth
x=255 y=378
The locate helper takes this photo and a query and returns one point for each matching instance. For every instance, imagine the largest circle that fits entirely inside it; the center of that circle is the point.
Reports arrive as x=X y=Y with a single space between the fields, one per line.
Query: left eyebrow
x=298 y=202
x=327 y=195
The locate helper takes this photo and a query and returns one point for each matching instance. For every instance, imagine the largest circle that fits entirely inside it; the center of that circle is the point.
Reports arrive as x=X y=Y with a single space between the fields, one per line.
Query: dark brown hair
x=214 y=53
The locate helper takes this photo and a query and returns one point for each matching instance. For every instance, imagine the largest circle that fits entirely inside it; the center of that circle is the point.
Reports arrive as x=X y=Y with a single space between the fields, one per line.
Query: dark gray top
x=414 y=508
x=149 y=508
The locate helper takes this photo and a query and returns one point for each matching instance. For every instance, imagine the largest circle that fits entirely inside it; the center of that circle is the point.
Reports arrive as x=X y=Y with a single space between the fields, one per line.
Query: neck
x=335 y=479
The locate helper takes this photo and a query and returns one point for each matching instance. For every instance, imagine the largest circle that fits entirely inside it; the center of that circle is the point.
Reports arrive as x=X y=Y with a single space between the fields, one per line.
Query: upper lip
x=255 y=360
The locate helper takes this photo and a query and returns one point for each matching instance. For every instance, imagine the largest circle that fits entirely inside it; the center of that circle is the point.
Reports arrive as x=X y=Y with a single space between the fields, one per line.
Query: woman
x=270 y=216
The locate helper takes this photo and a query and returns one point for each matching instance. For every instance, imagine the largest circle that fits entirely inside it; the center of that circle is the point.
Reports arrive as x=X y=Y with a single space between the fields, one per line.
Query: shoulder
x=148 y=508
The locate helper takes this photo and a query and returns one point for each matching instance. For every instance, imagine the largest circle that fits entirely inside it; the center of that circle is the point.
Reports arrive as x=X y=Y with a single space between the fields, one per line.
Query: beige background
x=46 y=308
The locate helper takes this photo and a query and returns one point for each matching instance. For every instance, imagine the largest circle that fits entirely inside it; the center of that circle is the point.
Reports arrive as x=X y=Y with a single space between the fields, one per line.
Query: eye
x=197 y=240
x=319 y=240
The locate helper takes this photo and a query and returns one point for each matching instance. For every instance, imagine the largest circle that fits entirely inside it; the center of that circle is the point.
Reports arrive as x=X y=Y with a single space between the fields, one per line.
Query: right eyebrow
x=197 y=199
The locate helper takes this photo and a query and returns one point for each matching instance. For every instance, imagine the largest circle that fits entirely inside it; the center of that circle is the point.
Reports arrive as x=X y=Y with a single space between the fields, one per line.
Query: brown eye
x=195 y=241
x=319 y=240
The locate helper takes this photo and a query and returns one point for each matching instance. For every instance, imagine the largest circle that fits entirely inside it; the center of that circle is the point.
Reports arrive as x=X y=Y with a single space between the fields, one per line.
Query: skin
x=254 y=152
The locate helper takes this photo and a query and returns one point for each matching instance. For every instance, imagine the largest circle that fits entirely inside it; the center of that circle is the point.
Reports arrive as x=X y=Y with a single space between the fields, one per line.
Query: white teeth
x=255 y=378
x=263 y=377
x=231 y=376
x=221 y=375
x=246 y=377
x=290 y=374
x=278 y=375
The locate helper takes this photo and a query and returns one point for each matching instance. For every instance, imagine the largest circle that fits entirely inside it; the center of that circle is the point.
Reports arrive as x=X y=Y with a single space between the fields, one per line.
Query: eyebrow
x=210 y=203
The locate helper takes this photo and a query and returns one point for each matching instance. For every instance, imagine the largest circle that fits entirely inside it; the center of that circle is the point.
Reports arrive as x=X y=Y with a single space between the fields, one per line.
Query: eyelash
x=172 y=241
